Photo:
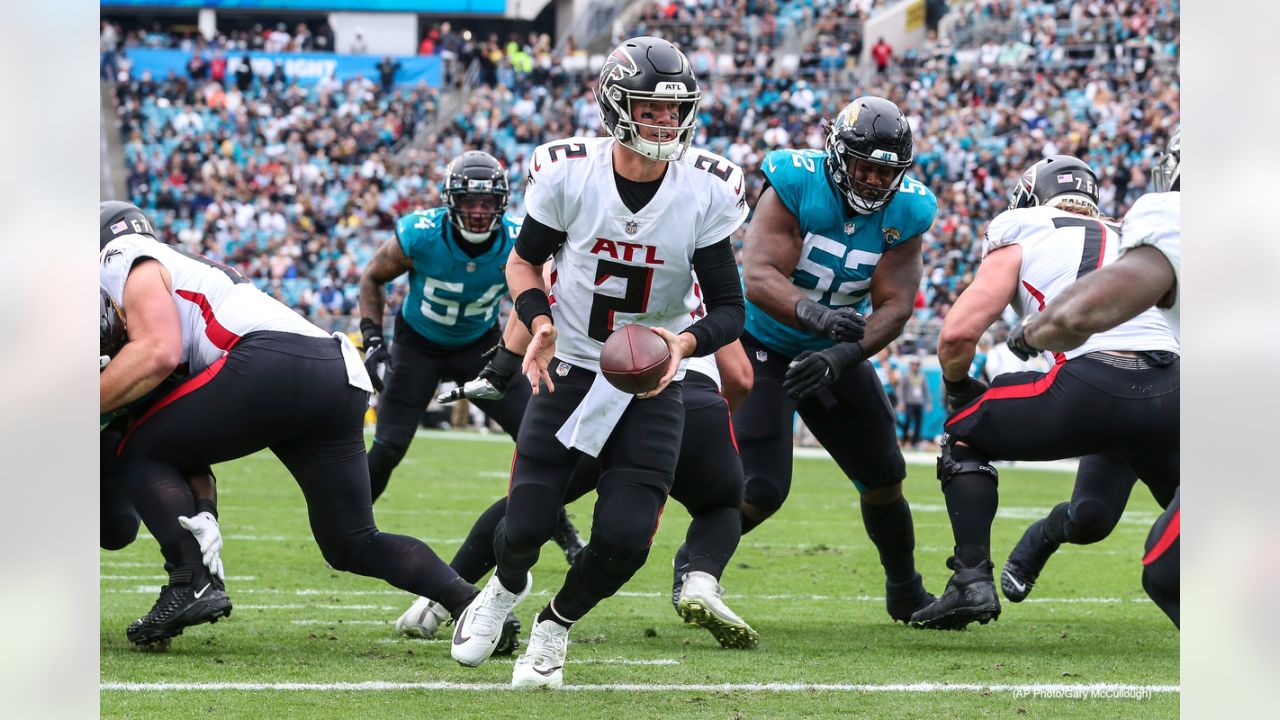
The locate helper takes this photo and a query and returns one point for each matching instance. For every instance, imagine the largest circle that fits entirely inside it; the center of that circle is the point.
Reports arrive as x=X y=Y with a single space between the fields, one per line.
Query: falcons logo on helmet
x=619 y=65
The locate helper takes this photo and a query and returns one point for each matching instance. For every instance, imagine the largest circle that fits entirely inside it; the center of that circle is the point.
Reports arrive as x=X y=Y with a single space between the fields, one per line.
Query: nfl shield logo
x=471 y=267
x=562 y=369
x=762 y=356
x=848 y=228
x=632 y=227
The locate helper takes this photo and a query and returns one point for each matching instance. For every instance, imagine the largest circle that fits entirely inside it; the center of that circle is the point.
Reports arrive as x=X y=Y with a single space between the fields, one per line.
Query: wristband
x=206 y=505
x=532 y=303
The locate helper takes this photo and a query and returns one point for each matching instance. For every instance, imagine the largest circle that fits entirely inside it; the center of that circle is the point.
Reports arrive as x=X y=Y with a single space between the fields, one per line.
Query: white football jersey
x=618 y=267
x=1156 y=220
x=215 y=305
x=1058 y=248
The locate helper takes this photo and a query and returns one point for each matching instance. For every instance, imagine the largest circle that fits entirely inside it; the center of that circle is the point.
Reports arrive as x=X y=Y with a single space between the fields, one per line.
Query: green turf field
x=305 y=641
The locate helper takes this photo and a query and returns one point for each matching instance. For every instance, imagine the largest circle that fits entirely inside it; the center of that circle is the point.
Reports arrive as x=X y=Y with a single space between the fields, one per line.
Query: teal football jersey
x=841 y=249
x=453 y=298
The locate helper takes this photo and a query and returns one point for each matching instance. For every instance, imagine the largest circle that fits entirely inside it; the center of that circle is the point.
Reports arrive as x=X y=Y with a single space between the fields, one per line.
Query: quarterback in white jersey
x=1148 y=273
x=627 y=219
x=1111 y=401
x=257 y=376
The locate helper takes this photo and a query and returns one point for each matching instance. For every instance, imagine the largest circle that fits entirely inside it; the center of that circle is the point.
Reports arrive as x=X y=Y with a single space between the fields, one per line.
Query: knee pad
x=960 y=459
x=880 y=473
x=763 y=497
x=385 y=455
x=1089 y=521
x=118 y=531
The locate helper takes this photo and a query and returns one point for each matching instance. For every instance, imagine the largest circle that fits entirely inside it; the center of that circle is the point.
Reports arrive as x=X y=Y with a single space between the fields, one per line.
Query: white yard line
x=1053 y=689
x=304 y=592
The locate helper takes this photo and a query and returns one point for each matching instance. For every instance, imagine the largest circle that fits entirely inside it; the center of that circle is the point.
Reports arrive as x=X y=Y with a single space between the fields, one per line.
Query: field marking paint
x=1035 y=513
x=165 y=578
x=806 y=453
x=304 y=606
x=1102 y=689
x=341 y=622
x=645 y=595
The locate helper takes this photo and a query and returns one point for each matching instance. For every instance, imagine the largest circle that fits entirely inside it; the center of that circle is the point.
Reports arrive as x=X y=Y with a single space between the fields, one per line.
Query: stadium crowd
x=296 y=185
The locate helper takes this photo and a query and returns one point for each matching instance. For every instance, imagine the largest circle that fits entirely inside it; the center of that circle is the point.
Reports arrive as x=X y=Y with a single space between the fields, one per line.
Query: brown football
x=634 y=359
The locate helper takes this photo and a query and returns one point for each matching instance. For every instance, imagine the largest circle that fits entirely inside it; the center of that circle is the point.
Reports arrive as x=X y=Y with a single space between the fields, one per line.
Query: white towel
x=357 y=376
x=588 y=428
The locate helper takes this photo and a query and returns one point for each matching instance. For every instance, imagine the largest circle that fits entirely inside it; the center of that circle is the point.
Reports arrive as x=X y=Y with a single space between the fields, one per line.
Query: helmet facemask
x=868 y=182
x=671 y=141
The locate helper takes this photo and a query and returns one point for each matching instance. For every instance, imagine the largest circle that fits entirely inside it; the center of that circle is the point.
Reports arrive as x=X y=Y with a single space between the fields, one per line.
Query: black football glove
x=962 y=392
x=811 y=371
x=843 y=325
x=376 y=356
x=1017 y=341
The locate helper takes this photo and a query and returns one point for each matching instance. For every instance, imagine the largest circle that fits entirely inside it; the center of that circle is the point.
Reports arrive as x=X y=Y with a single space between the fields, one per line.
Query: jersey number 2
x=635 y=298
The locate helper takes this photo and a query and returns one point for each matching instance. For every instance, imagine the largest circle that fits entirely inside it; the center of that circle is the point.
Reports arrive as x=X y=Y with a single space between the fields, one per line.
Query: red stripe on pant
x=186 y=388
x=656 y=523
x=1012 y=392
x=1167 y=538
x=732 y=437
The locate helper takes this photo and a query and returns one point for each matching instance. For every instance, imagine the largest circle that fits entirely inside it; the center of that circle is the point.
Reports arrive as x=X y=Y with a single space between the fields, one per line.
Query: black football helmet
x=1168 y=164
x=1054 y=179
x=111 y=331
x=648 y=69
x=476 y=193
x=868 y=152
x=117 y=218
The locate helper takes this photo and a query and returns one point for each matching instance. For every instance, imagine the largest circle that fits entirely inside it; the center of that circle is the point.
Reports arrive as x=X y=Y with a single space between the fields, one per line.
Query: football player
x=455 y=256
x=1112 y=399
x=833 y=232
x=708 y=482
x=1146 y=274
x=628 y=219
x=259 y=376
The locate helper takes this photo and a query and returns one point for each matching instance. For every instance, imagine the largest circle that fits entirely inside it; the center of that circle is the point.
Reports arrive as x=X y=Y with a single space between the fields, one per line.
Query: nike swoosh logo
x=548 y=672
x=458 y=637
x=206 y=587
x=1017 y=585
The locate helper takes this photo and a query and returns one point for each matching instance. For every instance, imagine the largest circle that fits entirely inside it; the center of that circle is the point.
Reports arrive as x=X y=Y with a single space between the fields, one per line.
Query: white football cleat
x=701 y=604
x=542 y=664
x=423 y=618
x=480 y=625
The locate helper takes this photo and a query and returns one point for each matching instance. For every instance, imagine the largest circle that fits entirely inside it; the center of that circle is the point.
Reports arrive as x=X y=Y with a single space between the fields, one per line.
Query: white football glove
x=204 y=527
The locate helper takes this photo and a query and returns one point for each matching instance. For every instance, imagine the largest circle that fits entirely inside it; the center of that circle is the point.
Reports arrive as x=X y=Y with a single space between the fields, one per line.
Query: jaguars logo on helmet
x=868 y=151
x=648 y=68
x=111 y=330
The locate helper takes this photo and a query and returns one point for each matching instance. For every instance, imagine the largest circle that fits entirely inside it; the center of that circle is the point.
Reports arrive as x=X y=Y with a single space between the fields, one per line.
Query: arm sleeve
x=717 y=271
x=537 y=242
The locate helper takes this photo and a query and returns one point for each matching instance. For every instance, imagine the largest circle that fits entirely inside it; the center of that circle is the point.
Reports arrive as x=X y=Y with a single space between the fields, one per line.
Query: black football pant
x=118 y=520
x=417 y=367
x=854 y=422
x=708 y=483
x=288 y=393
x=1161 y=573
x=637 y=465
x=1125 y=408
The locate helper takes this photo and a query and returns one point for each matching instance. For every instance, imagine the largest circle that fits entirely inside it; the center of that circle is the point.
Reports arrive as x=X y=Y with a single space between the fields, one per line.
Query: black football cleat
x=1026 y=562
x=179 y=607
x=970 y=597
x=509 y=640
x=902 y=599
x=567 y=537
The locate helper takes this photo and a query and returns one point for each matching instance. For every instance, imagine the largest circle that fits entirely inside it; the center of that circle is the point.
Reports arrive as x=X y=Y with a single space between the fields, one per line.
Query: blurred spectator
x=913 y=397
x=881 y=53
x=359 y=46
x=244 y=74
x=387 y=73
